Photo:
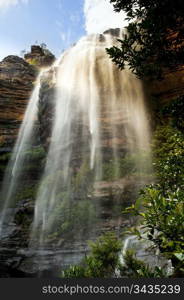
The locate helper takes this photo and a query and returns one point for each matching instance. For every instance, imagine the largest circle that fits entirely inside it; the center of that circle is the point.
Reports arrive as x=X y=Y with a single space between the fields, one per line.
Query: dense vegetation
x=154 y=39
x=102 y=261
x=163 y=203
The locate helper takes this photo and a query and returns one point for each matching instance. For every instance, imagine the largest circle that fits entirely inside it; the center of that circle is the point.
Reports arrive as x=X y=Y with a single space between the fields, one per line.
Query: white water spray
x=99 y=117
x=96 y=106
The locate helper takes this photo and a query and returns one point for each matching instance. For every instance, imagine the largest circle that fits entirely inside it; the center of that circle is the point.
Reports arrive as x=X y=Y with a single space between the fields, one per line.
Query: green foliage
x=33 y=160
x=162 y=219
x=31 y=170
x=104 y=256
x=168 y=148
x=135 y=268
x=74 y=272
x=149 y=45
x=36 y=153
x=102 y=261
x=115 y=170
x=75 y=212
x=82 y=181
x=28 y=192
x=161 y=206
x=70 y=218
x=129 y=165
x=174 y=111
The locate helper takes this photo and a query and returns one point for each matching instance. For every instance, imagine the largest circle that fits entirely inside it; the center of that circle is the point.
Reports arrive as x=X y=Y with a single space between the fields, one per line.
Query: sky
x=57 y=23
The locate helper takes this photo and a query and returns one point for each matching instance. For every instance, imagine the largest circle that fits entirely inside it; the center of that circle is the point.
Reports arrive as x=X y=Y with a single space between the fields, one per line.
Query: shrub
x=101 y=263
x=168 y=149
x=162 y=219
x=135 y=268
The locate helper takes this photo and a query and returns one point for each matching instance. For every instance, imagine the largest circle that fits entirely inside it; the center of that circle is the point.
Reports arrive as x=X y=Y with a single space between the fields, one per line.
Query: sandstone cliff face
x=171 y=87
x=39 y=56
x=17 y=78
x=16 y=83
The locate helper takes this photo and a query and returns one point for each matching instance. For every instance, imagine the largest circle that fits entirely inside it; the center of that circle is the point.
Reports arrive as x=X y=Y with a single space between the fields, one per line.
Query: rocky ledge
x=39 y=56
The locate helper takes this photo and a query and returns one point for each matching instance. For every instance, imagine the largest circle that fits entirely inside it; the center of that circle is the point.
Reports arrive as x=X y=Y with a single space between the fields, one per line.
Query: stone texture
x=16 y=83
x=39 y=56
x=17 y=78
x=170 y=87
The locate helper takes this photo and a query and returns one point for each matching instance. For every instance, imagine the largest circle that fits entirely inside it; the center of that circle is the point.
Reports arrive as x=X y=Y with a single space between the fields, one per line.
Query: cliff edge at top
x=17 y=78
x=39 y=56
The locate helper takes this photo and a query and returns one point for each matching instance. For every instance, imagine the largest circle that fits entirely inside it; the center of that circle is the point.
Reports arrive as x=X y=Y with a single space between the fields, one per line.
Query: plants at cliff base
x=102 y=260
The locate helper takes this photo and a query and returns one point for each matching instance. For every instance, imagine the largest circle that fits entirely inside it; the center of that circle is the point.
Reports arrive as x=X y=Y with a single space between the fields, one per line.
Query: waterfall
x=12 y=178
x=96 y=107
x=99 y=129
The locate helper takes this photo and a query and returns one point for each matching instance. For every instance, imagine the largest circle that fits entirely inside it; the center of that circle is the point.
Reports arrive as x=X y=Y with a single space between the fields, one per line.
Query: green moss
x=28 y=192
x=109 y=171
x=36 y=153
x=129 y=165
x=74 y=212
x=82 y=181
x=33 y=160
x=168 y=152
x=70 y=218
x=174 y=111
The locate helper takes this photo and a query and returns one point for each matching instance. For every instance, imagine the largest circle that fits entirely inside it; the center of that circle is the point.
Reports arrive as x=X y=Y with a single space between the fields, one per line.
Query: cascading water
x=96 y=106
x=98 y=142
x=24 y=141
